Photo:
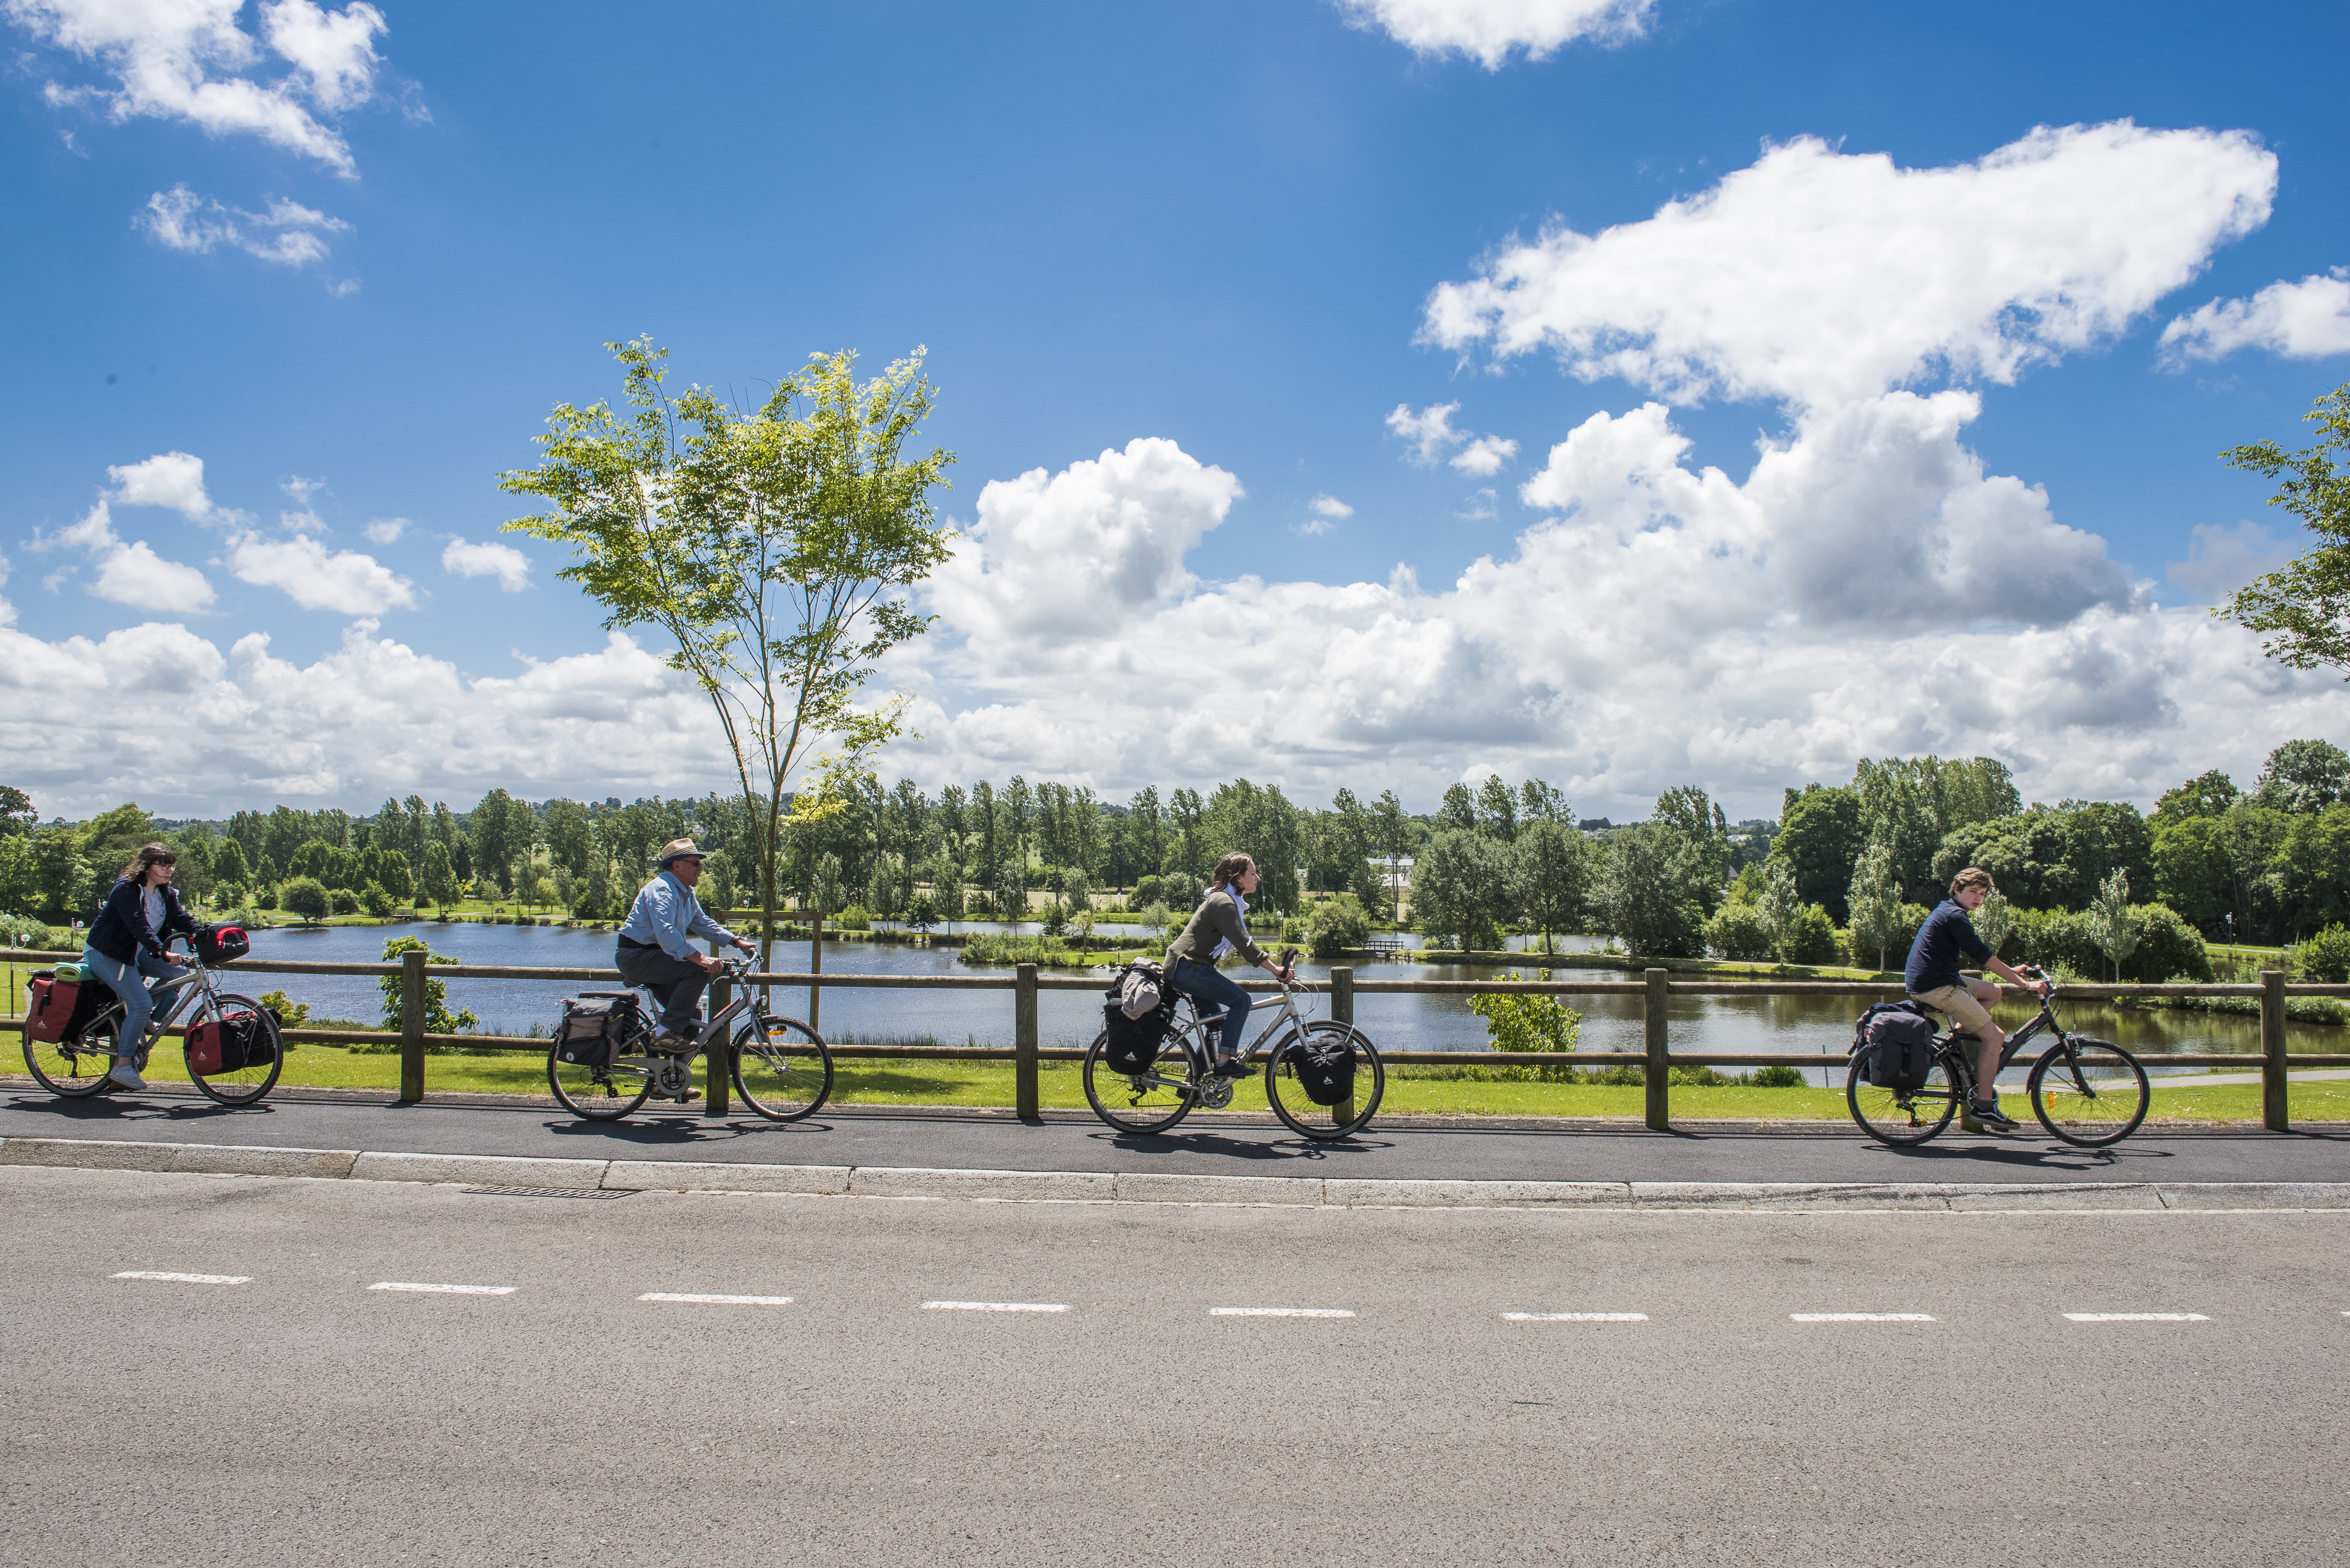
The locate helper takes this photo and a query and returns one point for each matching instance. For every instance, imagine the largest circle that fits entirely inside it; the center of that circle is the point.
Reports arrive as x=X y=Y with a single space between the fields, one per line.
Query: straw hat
x=679 y=849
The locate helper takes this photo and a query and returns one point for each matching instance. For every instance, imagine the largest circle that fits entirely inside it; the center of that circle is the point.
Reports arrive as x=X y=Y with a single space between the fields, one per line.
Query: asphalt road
x=1202 y=1146
x=302 y=1416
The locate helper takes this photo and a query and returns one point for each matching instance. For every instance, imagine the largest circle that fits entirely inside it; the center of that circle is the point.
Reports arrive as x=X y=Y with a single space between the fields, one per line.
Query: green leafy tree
x=1646 y=893
x=2304 y=777
x=2110 y=925
x=1780 y=908
x=1336 y=924
x=1497 y=809
x=1819 y=837
x=2325 y=958
x=16 y=815
x=1460 y=887
x=1992 y=919
x=1875 y=903
x=773 y=547
x=1516 y=1020
x=1550 y=875
x=1458 y=811
x=305 y=897
x=2304 y=606
x=440 y=877
x=1391 y=837
x=2205 y=795
x=228 y=864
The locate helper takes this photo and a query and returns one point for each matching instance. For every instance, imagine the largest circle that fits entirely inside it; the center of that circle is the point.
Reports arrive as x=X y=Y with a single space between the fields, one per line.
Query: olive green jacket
x=1217 y=918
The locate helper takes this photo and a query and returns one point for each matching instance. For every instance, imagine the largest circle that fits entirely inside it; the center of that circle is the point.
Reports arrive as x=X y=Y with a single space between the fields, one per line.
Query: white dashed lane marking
x=185 y=1279
x=993 y=1306
x=704 y=1299
x=2137 y=1317
x=1860 y=1318
x=1574 y=1317
x=1279 y=1312
x=443 y=1290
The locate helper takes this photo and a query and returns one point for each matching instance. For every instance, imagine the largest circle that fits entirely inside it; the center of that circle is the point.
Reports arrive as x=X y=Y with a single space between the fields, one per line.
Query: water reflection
x=1790 y=1025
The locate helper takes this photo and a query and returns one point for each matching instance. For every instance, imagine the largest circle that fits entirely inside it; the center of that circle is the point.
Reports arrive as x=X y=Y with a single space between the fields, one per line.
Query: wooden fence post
x=716 y=1057
x=2272 y=1057
x=411 y=1026
x=1342 y=1010
x=1024 y=1041
x=1658 y=1075
x=815 y=966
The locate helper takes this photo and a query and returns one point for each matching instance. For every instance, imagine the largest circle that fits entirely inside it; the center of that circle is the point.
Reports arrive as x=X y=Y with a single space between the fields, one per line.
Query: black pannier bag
x=1134 y=1036
x=596 y=1025
x=228 y=1044
x=1324 y=1065
x=1895 y=1042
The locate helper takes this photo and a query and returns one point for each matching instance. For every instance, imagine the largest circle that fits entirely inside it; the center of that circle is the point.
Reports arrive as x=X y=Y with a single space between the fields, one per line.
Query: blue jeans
x=1210 y=988
x=125 y=981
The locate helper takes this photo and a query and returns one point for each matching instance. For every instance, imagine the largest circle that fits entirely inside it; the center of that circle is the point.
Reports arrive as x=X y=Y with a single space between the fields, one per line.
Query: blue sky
x=347 y=258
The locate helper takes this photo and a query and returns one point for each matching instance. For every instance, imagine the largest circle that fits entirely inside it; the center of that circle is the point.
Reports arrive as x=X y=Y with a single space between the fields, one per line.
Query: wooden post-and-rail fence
x=1655 y=987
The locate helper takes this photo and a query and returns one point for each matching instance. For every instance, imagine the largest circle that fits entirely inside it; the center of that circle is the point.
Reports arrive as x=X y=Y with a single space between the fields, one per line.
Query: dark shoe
x=1232 y=1067
x=1992 y=1119
x=669 y=1044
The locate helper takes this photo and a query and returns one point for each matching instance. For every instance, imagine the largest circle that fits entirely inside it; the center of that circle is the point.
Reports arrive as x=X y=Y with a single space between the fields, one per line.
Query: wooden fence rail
x=1657 y=987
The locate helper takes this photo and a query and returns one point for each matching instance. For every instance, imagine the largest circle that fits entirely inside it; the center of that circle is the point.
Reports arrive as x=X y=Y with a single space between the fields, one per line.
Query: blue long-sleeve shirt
x=667 y=915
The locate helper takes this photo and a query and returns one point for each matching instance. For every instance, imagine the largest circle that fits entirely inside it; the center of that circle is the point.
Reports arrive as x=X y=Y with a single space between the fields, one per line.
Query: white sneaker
x=126 y=1073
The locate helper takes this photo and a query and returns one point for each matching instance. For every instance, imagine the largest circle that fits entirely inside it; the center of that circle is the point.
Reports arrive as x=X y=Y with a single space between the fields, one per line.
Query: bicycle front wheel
x=1903 y=1117
x=603 y=1094
x=1146 y=1102
x=2089 y=1093
x=242 y=1086
x=1287 y=1075
x=782 y=1069
x=77 y=1065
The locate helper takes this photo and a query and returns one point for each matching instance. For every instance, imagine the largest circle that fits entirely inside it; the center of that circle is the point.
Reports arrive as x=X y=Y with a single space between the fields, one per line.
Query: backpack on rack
x=1894 y=1041
x=596 y=1026
x=1140 y=1010
x=1324 y=1065
x=228 y=1044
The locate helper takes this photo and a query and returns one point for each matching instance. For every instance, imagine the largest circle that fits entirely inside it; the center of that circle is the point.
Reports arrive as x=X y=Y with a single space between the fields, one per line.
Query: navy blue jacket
x=1934 y=956
x=120 y=929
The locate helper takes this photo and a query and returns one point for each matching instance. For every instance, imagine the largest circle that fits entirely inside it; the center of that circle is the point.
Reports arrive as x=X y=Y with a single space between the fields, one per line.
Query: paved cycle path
x=1202 y=1146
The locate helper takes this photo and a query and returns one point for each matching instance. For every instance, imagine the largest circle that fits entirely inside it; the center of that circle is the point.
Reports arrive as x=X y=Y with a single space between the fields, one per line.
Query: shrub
x=1518 y=1021
x=2324 y=958
x=438 y=1019
x=1146 y=892
x=305 y=897
x=1778 y=1078
x=345 y=902
x=1735 y=932
x=2060 y=940
x=1814 y=939
x=856 y=918
x=1336 y=924
x=379 y=902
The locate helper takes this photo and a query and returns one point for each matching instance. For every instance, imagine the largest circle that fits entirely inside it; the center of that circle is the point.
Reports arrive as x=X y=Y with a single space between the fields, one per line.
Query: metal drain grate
x=541 y=1192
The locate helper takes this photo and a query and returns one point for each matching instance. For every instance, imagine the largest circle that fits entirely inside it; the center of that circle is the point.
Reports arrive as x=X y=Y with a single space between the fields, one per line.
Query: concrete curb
x=1146 y=1187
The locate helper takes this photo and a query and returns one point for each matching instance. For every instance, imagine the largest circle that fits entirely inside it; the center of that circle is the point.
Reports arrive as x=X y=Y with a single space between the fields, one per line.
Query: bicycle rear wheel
x=1902 y=1117
x=603 y=1094
x=2089 y=1093
x=242 y=1086
x=1284 y=1086
x=1146 y=1102
x=76 y=1067
x=782 y=1069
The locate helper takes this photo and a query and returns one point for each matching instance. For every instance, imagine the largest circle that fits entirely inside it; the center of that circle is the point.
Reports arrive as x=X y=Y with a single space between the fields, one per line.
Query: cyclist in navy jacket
x=126 y=949
x=1933 y=978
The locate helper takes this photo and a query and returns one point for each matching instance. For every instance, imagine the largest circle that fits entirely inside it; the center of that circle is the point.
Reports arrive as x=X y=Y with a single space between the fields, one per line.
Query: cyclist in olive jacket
x=1220 y=926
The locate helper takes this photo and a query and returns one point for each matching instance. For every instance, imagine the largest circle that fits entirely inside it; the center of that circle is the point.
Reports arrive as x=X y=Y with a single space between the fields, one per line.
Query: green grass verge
x=863 y=1081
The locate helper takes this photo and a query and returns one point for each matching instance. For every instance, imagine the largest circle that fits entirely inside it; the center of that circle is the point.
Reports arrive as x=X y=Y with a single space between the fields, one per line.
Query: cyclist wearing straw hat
x=656 y=948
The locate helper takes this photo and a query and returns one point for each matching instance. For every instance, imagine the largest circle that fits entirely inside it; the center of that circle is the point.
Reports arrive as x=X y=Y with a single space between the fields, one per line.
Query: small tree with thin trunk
x=2111 y=925
x=775 y=548
x=1875 y=901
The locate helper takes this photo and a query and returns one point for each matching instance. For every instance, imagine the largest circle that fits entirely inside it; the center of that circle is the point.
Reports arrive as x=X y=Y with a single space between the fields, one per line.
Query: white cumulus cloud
x=1325 y=513
x=1076 y=554
x=346 y=581
x=385 y=530
x=2304 y=320
x=1487 y=31
x=2221 y=558
x=130 y=571
x=1816 y=275
x=189 y=60
x=288 y=233
x=1486 y=456
x=1429 y=431
x=172 y=479
x=508 y=564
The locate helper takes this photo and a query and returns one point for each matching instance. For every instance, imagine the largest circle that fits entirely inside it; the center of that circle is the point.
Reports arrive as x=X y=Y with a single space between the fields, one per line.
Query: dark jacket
x=120 y=929
x=1216 y=918
x=1946 y=936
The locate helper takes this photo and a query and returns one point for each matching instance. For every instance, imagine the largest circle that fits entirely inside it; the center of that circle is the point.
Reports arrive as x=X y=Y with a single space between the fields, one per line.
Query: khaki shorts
x=1958 y=1002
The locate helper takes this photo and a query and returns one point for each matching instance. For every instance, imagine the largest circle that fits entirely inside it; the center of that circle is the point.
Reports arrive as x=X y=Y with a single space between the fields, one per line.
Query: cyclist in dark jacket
x=1933 y=978
x=126 y=949
x=1220 y=926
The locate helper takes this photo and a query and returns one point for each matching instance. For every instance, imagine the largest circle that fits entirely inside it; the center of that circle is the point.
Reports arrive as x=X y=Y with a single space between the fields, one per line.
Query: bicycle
x=1180 y=1079
x=2104 y=1093
x=76 y=1067
x=780 y=1066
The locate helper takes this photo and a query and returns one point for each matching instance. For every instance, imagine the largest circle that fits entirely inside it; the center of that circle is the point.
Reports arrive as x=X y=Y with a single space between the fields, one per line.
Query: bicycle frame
x=168 y=1006
x=1192 y=1033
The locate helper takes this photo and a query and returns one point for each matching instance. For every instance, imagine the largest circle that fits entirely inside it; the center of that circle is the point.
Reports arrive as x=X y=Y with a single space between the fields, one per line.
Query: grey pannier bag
x=596 y=1026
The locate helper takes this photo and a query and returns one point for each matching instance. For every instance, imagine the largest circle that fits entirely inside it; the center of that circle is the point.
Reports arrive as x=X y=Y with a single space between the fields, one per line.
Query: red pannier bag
x=50 y=1005
x=227 y=1045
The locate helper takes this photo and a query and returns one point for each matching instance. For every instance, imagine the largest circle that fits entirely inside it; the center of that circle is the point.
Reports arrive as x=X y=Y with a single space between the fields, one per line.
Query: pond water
x=1790 y=1025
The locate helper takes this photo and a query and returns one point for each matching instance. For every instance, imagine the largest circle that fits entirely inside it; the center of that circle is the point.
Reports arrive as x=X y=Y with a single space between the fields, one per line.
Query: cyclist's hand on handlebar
x=745 y=946
x=707 y=964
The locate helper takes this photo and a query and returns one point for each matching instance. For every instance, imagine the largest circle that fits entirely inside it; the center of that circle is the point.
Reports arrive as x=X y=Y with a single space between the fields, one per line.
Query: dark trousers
x=676 y=984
